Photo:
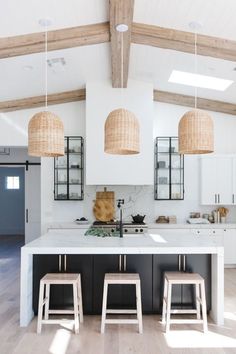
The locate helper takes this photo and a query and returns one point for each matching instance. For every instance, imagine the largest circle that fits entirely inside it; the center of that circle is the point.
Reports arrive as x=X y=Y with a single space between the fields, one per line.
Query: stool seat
x=183 y=278
x=49 y=279
x=119 y=278
x=60 y=278
x=122 y=278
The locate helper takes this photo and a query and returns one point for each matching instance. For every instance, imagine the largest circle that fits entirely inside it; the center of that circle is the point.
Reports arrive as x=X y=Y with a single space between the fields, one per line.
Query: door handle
x=184 y=263
x=233 y=199
x=59 y=262
x=120 y=260
x=65 y=262
x=125 y=262
x=27 y=215
x=179 y=262
x=218 y=198
x=215 y=199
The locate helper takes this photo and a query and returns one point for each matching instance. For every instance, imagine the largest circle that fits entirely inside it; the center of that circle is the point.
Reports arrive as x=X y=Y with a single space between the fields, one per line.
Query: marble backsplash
x=138 y=199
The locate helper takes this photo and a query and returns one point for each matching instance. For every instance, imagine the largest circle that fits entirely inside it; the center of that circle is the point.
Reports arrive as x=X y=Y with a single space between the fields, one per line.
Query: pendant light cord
x=122 y=54
x=195 y=67
x=46 y=68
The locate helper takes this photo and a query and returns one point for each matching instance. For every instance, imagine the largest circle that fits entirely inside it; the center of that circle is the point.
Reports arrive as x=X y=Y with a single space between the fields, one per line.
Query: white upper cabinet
x=217 y=176
x=105 y=169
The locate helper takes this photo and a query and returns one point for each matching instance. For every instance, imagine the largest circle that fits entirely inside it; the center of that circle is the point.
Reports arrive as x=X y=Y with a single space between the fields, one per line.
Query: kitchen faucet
x=119 y=206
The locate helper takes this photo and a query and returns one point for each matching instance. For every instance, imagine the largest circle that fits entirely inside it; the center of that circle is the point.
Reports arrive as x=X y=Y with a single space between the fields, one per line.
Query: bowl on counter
x=82 y=221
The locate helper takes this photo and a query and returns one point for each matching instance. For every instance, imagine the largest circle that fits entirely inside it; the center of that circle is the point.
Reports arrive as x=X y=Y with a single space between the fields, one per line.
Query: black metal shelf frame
x=169 y=170
x=66 y=196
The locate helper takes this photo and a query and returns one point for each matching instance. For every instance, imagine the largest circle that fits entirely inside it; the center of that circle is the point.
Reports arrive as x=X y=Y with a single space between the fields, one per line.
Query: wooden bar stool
x=62 y=279
x=122 y=278
x=173 y=278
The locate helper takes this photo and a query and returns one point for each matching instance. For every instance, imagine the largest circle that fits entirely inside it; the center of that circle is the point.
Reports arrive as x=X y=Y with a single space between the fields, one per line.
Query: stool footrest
x=61 y=312
x=183 y=311
x=110 y=311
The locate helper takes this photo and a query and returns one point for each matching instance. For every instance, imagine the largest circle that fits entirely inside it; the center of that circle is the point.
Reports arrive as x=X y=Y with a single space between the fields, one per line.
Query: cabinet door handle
x=218 y=198
x=233 y=198
x=65 y=262
x=184 y=263
x=125 y=263
x=27 y=215
x=120 y=262
x=215 y=199
x=179 y=262
x=59 y=262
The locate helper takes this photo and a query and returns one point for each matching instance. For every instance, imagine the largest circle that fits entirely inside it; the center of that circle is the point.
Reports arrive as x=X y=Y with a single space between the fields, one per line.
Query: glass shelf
x=64 y=172
x=169 y=168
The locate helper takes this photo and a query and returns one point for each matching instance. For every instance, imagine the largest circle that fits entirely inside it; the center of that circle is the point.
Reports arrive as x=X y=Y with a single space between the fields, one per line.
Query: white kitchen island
x=74 y=242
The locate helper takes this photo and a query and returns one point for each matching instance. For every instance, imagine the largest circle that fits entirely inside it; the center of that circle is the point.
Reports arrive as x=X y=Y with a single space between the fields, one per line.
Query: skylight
x=197 y=80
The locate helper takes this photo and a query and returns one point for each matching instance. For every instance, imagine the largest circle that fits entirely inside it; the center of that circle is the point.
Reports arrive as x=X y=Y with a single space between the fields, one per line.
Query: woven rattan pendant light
x=45 y=129
x=196 y=129
x=121 y=126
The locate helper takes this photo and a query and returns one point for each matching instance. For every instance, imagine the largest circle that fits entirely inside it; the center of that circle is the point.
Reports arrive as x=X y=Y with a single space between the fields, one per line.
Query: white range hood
x=105 y=169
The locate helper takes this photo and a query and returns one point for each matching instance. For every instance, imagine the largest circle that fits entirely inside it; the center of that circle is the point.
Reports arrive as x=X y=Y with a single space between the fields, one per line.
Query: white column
x=217 y=287
x=26 y=288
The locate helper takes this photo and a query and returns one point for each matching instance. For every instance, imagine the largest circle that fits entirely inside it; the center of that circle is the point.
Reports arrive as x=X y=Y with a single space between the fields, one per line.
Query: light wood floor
x=122 y=339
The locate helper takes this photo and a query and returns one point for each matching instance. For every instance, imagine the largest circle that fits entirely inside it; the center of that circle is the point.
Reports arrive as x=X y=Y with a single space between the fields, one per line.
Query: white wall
x=102 y=168
x=138 y=198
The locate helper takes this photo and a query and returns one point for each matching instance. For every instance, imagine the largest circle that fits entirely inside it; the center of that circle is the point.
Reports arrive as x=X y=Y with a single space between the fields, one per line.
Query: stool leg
x=76 y=308
x=40 y=307
x=204 y=311
x=197 y=302
x=163 y=320
x=104 y=306
x=47 y=301
x=139 y=307
x=168 y=307
x=81 y=315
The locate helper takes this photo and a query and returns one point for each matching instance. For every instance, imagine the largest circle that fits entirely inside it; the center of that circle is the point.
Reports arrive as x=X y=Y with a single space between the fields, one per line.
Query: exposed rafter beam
x=183 y=41
x=202 y=103
x=80 y=95
x=121 y=12
x=58 y=39
x=99 y=33
x=39 y=101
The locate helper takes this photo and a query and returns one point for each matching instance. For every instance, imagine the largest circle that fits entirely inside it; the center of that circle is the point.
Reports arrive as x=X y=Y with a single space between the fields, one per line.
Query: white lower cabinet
x=170 y=231
x=230 y=246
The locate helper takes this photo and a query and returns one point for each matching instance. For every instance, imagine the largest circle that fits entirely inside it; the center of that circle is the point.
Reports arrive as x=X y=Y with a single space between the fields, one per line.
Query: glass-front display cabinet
x=69 y=171
x=169 y=170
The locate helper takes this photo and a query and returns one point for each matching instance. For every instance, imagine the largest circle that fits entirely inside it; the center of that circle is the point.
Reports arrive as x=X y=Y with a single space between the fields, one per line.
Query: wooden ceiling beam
x=80 y=95
x=183 y=41
x=202 y=103
x=58 y=39
x=39 y=101
x=121 y=12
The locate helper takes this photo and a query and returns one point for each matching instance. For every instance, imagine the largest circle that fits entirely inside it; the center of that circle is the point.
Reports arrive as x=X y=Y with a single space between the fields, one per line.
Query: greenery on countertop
x=100 y=232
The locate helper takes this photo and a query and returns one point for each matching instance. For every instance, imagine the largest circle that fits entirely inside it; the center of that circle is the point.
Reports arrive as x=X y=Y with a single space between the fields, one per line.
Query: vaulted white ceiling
x=93 y=62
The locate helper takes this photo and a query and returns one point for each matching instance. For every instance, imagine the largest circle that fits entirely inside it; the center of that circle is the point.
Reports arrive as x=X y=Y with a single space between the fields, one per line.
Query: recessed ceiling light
x=45 y=22
x=197 y=80
x=57 y=64
x=122 y=27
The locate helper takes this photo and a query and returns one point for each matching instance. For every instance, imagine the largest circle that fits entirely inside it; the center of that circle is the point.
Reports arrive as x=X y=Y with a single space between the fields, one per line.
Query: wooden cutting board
x=104 y=206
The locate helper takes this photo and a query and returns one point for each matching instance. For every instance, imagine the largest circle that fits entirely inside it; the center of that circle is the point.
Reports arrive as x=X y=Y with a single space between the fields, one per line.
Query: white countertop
x=73 y=225
x=192 y=226
x=74 y=242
